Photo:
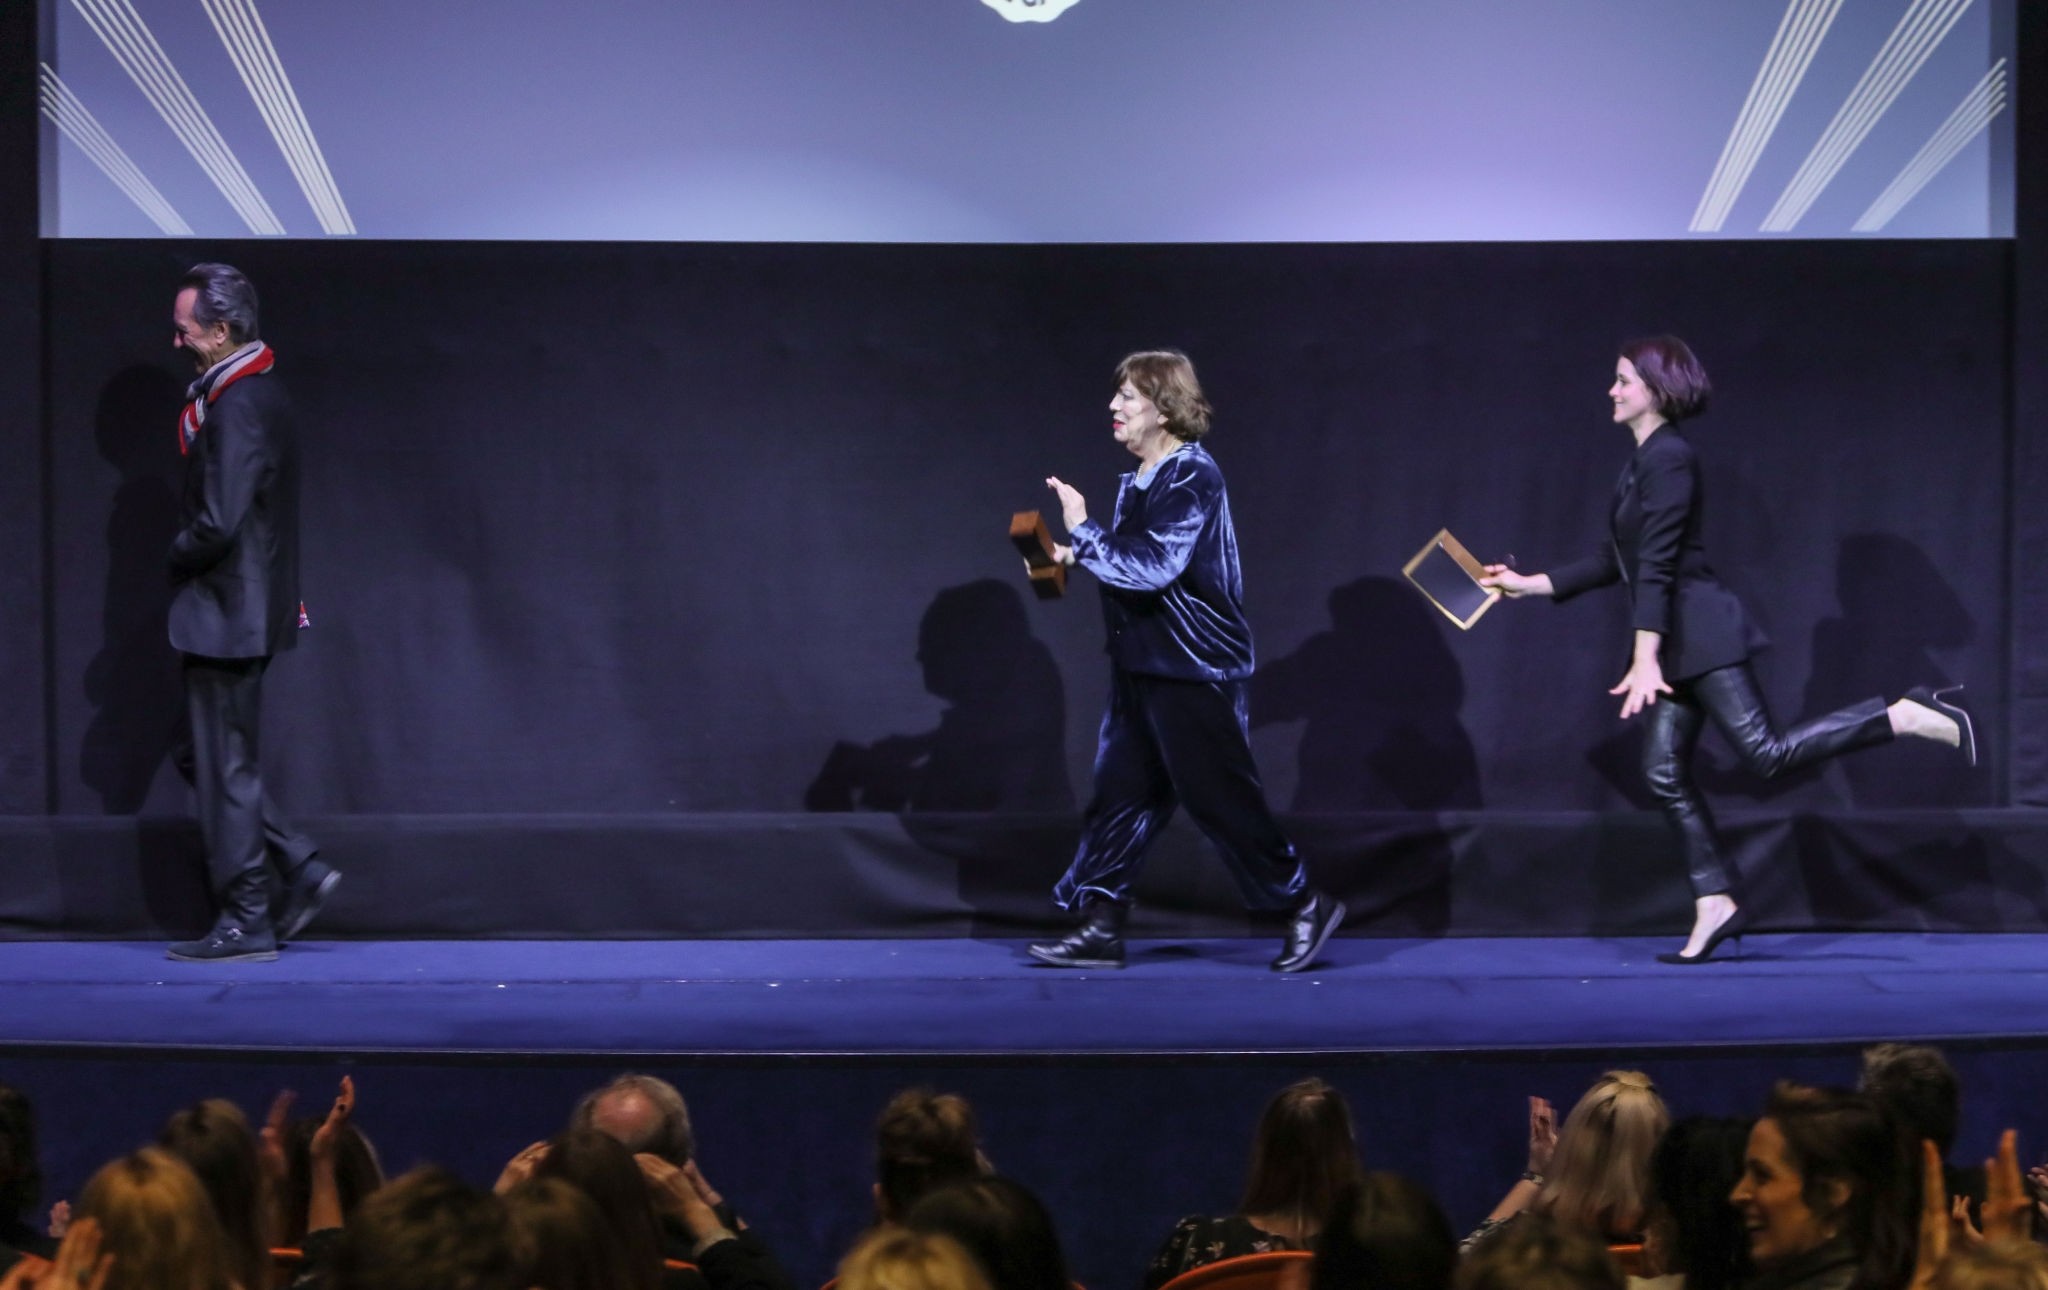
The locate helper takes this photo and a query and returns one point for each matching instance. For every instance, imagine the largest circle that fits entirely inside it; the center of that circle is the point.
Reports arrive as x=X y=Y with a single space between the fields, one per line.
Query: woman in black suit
x=1693 y=640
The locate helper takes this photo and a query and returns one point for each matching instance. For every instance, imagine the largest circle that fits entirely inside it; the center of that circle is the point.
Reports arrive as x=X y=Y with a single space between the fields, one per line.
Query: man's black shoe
x=307 y=896
x=1097 y=943
x=1308 y=929
x=227 y=945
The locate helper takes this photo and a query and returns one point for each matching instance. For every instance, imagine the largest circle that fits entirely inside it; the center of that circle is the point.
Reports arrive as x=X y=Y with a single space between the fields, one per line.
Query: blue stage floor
x=970 y=997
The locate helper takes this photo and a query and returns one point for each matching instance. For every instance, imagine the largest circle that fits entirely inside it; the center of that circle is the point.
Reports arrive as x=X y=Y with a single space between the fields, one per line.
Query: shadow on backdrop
x=1380 y=695
x=132 y=681
x=1000 y=745
x=1896 y=609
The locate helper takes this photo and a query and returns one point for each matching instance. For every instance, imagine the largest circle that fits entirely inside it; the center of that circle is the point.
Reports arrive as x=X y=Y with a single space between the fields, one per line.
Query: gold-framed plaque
x=1445 y=572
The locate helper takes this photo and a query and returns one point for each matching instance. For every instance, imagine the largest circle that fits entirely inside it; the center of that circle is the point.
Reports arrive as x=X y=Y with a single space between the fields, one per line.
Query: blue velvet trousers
x=1730 y=698
x=1167 y=743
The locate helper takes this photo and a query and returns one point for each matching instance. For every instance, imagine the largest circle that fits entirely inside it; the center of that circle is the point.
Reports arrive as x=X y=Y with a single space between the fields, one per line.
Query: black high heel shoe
x=1731 y=930
x=1938 y=701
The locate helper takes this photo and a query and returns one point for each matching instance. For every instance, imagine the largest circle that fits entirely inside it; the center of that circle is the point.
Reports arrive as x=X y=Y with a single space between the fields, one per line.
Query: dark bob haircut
x=1673 y=373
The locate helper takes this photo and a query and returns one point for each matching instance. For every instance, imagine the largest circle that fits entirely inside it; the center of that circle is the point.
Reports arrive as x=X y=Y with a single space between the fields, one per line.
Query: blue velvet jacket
x=1172 y=595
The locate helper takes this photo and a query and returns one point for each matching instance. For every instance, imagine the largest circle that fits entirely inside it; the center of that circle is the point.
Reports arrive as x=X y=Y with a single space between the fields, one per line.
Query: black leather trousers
x=1729 y=695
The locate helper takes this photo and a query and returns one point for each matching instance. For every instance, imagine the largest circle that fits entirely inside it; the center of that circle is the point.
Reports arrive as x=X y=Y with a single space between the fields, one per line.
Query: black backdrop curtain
x=647 y=528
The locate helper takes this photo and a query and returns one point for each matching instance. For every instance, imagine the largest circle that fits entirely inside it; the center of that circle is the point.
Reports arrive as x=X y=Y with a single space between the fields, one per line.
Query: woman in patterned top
x=1304 y=1157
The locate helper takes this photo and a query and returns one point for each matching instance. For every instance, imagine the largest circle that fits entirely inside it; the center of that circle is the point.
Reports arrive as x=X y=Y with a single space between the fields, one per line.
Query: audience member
x=1540 y=1252
x=646 y=1115
x=1694 y=1238
x=1594 y=1173
x=1304 y=1156
x=1002 y=1225
x=597 y=1163
x=427 y=1230
x=1826 y=1194
x=894 y=1259
x=214 y=1140
x=1919 y=1087
x=156 y=1222
x=1385 y=1233
x=923 y=1140
x=329 y=1168
x=562 y=1241
x=21 y=1181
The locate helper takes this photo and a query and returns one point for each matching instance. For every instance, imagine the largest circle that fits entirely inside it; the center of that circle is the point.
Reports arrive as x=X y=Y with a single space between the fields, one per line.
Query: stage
x=986 y=998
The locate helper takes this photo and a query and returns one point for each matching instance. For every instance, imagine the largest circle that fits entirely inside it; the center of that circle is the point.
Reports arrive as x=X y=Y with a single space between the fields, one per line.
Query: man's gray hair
x=669 y=1138
x=224 y=295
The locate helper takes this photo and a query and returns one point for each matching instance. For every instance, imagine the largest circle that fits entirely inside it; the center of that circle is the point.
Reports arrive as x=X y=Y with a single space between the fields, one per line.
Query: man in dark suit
x=235 y=566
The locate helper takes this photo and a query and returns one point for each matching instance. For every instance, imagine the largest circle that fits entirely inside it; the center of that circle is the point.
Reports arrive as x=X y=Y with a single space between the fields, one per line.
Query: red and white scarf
x=249 y=360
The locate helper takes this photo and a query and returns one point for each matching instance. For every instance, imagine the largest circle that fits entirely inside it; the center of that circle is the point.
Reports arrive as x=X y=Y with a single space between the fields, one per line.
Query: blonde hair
x=896 y=1258
x=157 y=1222
x=1994 y=1265
x=1599 y=1176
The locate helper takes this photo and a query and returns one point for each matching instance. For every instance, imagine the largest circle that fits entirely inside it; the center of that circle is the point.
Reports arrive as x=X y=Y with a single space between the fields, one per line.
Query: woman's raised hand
x=1073 y=510
x=329 y=1132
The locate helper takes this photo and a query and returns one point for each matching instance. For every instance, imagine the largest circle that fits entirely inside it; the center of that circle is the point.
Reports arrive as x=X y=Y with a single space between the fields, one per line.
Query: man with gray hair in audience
x=645 y=1114
x=648 y=1117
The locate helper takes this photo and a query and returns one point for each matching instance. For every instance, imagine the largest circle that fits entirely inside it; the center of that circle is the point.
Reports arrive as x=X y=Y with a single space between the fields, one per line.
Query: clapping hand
x=79 y=1265
x=270 y=1153
x=520 y=1168
x=683 y=1194
x=1542 y=1135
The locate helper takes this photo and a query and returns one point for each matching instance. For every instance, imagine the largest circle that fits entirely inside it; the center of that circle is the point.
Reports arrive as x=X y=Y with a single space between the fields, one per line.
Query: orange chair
x=1629 y=1258
x=1245 y=1272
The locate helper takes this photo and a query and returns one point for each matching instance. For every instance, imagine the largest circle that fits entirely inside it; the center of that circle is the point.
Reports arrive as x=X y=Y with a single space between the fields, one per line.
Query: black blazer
x=1655 y=548
x=235 y=561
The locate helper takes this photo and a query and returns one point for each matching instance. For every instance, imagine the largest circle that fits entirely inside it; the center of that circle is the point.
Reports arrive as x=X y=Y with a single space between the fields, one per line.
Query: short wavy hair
x=1167 y=377
x=1673 y=373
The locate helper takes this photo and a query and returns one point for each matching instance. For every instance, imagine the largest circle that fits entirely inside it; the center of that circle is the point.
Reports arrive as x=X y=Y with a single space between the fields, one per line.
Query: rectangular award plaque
x=1445 y=571
x=1029 y=535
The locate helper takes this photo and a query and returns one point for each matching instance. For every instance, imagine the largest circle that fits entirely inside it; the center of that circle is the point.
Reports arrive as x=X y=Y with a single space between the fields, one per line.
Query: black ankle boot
x=1097 y=943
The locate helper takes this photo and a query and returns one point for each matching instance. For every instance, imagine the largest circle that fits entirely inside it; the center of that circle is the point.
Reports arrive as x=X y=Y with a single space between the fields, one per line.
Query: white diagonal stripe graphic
x=128 y=38
x=248 y=43
x=79 y=125
x=1968 y=120
x=1799 y=35
x=1925 y=24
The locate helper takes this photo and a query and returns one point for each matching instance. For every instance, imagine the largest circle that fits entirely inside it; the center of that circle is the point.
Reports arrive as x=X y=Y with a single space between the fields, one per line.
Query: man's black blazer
x=1655 y=548
x=235 y=561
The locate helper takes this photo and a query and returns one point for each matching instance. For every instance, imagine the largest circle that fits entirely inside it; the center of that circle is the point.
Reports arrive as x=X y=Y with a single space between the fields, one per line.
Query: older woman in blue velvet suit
x=1180 y=653
x=1693 y=639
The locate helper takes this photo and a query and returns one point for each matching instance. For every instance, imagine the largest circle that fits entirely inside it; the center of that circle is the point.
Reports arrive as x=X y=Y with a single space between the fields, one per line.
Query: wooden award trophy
x=1029 y=535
